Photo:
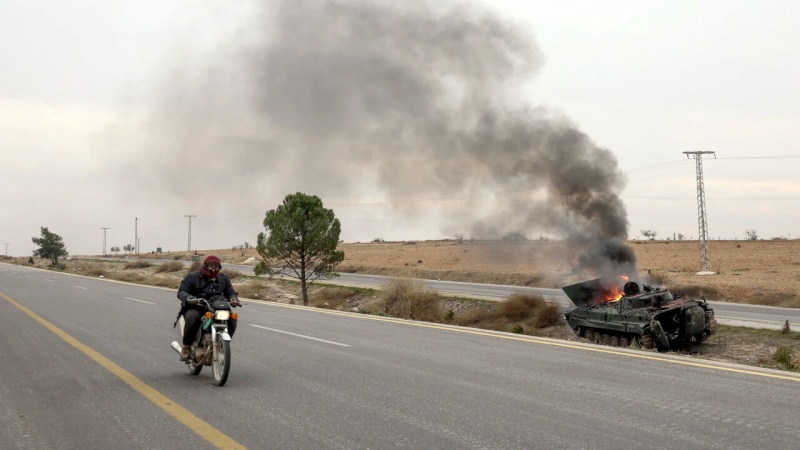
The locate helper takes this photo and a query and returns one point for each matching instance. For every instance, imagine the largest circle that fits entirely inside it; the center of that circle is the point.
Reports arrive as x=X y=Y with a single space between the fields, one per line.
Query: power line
x=762 y=157
x=712 y=198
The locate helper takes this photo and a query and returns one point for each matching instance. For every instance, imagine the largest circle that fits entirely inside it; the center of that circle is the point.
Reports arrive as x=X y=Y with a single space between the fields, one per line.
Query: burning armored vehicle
x=649 y=315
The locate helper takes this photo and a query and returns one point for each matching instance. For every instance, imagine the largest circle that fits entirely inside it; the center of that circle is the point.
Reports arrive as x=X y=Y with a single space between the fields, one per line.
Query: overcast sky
x=96 y=97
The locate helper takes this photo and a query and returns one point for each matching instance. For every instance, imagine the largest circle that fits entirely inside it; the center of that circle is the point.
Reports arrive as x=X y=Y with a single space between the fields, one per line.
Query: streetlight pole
x=6 y=244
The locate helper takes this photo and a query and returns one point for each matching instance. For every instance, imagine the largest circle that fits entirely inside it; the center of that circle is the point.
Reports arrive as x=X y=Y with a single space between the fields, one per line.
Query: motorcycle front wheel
x=221 y=364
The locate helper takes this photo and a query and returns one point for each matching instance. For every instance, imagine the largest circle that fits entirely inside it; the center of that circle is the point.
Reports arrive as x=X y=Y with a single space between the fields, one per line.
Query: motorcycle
x=212 y=345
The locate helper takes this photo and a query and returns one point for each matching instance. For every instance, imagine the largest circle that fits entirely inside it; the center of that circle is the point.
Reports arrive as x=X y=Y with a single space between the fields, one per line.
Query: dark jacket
x=196 y=285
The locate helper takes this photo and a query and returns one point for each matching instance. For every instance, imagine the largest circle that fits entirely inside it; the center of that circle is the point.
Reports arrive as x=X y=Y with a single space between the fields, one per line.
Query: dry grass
x=96 y=272
x=410 y=299
x=129 y=277
x=173 y=266
x=520 y=313
x=331 y=297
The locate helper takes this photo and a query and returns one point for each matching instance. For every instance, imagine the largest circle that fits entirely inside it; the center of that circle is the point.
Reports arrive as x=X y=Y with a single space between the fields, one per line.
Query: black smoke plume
x=424 y=100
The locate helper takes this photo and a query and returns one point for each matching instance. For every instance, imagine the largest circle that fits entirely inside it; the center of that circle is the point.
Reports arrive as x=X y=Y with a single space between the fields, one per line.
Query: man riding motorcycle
x=204 y=283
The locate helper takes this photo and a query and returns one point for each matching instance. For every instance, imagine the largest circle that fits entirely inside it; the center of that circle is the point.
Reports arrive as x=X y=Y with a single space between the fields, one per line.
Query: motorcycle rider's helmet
x=211 y=266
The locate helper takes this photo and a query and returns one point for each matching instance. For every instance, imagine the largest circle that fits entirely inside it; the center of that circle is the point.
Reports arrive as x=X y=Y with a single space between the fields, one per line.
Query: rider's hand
x=191 y=300
x=234 y=301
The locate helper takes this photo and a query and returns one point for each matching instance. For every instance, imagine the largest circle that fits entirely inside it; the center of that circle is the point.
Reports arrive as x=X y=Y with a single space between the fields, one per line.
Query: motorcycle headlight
x=222 y=315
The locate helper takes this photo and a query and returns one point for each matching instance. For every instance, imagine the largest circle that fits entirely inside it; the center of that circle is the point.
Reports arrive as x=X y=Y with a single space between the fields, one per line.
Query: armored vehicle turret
x=643 y=314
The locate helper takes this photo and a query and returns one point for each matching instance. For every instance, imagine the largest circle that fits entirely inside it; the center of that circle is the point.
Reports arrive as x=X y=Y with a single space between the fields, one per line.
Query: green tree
x=301 y=239
x=51 y=246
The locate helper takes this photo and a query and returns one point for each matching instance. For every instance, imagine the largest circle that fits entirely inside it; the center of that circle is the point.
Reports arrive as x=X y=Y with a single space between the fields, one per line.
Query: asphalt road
x=86 y=363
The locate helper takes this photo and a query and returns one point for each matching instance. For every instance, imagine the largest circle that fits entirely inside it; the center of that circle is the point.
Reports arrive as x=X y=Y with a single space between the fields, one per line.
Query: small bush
x=519 y=307
x=195 y=266
x=410 y=299
x=177 y=257
x=169 y=267
x=528 y=312
x=548 y=316
x=137 y=265
x=784 y=356
x=517 y=328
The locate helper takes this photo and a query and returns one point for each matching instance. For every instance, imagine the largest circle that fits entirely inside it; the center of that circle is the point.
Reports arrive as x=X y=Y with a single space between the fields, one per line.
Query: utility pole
x=6 y=244
x=702 y=222
x=189 y=248
x=136 y=237
x=104 y=239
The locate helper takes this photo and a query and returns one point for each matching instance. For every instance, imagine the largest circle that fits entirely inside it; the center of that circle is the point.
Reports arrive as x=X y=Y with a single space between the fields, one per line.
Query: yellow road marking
x=183 y=415
x=533 y=339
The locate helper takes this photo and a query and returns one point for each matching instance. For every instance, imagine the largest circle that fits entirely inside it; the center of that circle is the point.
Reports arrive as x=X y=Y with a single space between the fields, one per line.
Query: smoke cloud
x=419 y=101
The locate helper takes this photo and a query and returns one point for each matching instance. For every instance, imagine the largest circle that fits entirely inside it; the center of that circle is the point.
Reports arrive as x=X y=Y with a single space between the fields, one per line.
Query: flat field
x=757 y=272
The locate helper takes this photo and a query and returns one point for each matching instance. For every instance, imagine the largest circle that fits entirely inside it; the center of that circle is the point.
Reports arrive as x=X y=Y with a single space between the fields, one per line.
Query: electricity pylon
x=189 y=247
x=702 y=221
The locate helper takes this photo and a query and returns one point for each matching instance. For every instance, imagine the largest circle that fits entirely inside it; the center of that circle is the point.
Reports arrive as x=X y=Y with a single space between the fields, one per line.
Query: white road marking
x=137 y=300
x=81 y=287
x=301 y=336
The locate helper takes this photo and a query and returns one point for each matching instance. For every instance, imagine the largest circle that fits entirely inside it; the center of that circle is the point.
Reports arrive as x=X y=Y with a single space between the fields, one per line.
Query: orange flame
x=615 y=293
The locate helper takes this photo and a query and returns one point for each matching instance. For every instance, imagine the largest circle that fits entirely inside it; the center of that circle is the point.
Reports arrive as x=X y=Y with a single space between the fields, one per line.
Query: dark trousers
x=192 y=322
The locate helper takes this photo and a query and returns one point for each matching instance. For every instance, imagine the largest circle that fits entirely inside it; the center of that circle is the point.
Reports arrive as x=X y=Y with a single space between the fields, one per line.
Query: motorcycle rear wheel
x=194 y=368
x=221 y=363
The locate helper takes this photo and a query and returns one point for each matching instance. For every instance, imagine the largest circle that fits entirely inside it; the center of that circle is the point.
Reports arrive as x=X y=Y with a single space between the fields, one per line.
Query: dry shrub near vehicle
x=528 y=312
x=410 y=299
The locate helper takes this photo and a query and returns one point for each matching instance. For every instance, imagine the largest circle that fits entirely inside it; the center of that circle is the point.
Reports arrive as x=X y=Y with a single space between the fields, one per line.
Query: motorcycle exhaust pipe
x=175 y=346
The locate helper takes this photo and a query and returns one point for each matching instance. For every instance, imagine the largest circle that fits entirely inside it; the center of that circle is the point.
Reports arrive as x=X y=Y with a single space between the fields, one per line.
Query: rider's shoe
x=185 y=353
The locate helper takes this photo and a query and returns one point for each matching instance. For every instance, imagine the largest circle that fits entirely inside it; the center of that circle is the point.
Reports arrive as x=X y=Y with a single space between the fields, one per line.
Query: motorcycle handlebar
x=202 y=301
